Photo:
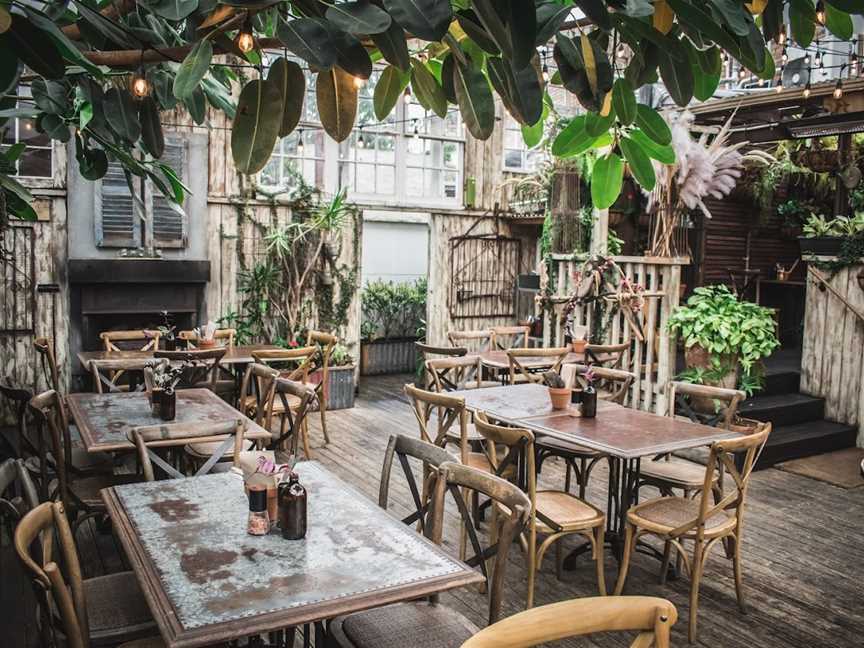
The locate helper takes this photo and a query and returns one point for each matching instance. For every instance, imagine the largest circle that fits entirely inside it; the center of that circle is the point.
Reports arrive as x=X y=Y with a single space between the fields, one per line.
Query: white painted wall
x=395 y=247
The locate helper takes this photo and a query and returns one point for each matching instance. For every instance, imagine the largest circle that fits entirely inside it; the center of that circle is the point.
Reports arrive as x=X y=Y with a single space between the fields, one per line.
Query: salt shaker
x=259 y=521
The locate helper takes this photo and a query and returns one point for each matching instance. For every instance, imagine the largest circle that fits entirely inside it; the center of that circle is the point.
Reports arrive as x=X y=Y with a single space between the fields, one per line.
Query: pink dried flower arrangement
x=589 y=376
x=268 y=467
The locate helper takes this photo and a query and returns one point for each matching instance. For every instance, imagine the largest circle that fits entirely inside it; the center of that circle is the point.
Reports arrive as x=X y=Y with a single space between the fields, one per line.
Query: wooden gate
x=483 y=276
x=17 y=281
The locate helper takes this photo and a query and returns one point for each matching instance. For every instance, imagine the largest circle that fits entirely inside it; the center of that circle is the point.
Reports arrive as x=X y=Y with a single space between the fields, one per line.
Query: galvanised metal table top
x=206 y=580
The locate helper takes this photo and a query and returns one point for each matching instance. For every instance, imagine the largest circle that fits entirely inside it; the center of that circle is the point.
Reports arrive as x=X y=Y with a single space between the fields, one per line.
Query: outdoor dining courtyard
x=431 y=323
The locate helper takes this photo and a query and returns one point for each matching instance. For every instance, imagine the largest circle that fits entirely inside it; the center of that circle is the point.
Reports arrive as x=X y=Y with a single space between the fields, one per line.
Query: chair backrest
x=294 y=415
x=225 y=337
x=324 y=343
x=450 y=412
x=510 y=337
x=259 y=382
x=517 y=357
x=473 y=341
x=451 y=478
x=450 y=374
x=45 y=348
x=107 y=372
x=17 y=491
x=140 y=340
x=430 y=352
x=652 y=617
x=611 y=384
x=229 y=433
x=293 y=364
x=403 y=447
x=50 y=416
x=18 y=398
x=725 y=403
x=204 y=365
x=610 y=356
x=517 y=442
x=723 y=457
x=63 y=588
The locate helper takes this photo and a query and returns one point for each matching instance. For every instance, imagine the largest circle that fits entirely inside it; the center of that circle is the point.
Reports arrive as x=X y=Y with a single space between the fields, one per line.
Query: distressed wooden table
x=497 y=360
x=207 y=581
x=236 y=355
x=104 y=420
x=512 y=403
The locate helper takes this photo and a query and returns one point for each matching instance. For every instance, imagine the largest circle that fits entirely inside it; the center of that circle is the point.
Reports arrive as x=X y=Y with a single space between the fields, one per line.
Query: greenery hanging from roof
x=92 y=66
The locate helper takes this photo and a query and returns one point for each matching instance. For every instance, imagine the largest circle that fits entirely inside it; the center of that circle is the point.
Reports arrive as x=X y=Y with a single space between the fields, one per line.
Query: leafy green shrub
x=725 y=326
x=846 y=226
x=393 y=310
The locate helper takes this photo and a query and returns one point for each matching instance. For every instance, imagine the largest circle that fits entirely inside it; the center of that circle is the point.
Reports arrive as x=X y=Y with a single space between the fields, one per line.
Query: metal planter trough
x=388 y=356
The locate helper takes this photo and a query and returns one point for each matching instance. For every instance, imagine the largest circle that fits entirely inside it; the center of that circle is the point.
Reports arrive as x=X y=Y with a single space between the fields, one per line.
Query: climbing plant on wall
x=102 y=72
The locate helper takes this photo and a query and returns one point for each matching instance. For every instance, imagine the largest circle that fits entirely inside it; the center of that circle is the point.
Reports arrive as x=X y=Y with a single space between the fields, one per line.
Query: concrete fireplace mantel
x=138 y=271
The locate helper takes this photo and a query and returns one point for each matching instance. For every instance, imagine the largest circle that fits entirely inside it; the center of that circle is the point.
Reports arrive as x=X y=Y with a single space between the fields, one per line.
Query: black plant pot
x=820 y=245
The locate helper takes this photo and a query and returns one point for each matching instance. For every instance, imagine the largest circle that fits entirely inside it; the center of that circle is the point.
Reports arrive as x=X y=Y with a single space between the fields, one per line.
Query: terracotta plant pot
x=579 y=345
x=560 y=397
x=206 y=344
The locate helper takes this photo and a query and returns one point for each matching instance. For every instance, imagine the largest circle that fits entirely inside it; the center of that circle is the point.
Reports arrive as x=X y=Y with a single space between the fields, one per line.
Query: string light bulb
x=416 y=127
x=406 y=96
x=621 y=50
x=245 y=41
x=300 y=142
x=820 y=12
x=779 y=86
x=819 y=61
x=838 y=89
x=360 y=142
x=784 y=56
x=806 y=92
x=781 y=38
x=545 y=73
x=807 y=59
x=140 y=86
x=742 y=74
x=359 y=82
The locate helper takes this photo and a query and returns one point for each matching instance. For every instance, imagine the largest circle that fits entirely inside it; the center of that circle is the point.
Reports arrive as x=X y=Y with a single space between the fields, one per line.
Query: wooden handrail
x=818 y=275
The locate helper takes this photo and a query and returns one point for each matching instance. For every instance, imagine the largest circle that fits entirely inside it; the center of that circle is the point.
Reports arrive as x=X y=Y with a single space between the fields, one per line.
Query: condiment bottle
x=259 y=521
x=588 y=407
x=292 y=508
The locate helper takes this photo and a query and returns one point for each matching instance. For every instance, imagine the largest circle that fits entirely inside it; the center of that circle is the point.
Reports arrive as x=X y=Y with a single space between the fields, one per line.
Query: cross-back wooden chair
x=106 y=372
x=704 y=520
x=554 y=514
x=519 y=372
x=403 y=448
x=290 y=403
x=294 y=364
x=18 y=493
x=450 y=413
x=651 y=617
x=256 y=391
x=105 y=610
x=668 y=473
x=451 y=374
x=48 y=361
x=610 y=356
x=223 y=337
x=510 y=337
x=422 y=623
x=139 y=340
x=226 y=436
x=473 y=341
x=205 y=370
x=430 y=352
x=325 y=343
x=18 y=397
x=611 y=384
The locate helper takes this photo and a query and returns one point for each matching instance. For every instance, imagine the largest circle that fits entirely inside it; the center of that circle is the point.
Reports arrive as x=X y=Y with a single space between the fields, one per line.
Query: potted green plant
x=393 y=316
x=724 y=339
x=820 y=236
x=793 y=213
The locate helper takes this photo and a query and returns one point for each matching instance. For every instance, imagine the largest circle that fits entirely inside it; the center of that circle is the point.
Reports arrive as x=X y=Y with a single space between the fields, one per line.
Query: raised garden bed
x=388 y=356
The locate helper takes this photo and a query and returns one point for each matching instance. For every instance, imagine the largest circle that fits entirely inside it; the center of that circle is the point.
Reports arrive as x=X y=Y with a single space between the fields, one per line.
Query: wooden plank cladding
x=832 y=360
x=651 y=359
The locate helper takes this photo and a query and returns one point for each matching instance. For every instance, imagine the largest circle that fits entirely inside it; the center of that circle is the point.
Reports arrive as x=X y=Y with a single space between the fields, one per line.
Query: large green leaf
x=163 y=86
x=838 y=23
x=489 y=14
x=640 y=164
x=32 y=47
x=427 y=89
x=474 y=97
x=624 y=101
x=53 y=126
x=704 y=23
x=171 y=9
x=393 y=46
x=596 y=11
x=470 y=23
x=193 y=69
x=391 y=84
x=289 y=78
x=522 y=25
x=663 y=153
x=51 y=96
x=256 y=126
x=735 y=15
x=92 y=163
x=121 y=114
x=10 y=67
x=849 y=6
x=67 y=48
x=606 y=179
x=308 y=39
x=426 y=19
x=597 y=124
x=196 y=104
x=652 y=124
x=573 y=139
x=550 y=15
x=532 y=135
x=446 y=78
x=802 y=18
x=677 y=78
x=571 y=64
x=358 y=17
x=521 y=91
x=351 y=56
x=337 y=102
x=109 y=29
x=151 y=129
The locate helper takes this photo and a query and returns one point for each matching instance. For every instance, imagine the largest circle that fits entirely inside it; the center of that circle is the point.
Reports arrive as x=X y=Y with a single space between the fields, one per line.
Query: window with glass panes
x=517 y=156
x=36 y=160
x=433 y=160
x=301 y=153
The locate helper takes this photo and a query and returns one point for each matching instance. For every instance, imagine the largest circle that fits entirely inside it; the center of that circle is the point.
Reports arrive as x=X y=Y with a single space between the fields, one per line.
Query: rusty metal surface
x=193 y=535
x=105 y=420
x=240 y=354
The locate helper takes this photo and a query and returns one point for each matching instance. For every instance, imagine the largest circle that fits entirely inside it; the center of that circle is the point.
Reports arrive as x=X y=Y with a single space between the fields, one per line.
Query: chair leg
x=304 y=430
x=599 y=556
x=629 y=546
x=736 y=566
x=583 y=481
x=559 y=561
x=667 y=556
x=695 y=579
x=323 y=410
x=567 y=476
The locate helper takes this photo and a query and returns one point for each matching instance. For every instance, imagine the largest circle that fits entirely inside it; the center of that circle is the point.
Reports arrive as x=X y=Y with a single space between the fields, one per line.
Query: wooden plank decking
x=804 y=555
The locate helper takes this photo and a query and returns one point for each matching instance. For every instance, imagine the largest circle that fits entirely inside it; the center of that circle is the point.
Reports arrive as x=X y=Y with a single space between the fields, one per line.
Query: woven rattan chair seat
x=116 y=608
x=675 y=472
x=411 y=625
x=565 y=512
x=664 y=514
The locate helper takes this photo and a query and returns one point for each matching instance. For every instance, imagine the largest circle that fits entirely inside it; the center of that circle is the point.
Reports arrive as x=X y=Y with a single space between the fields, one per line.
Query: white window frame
x=13 y=127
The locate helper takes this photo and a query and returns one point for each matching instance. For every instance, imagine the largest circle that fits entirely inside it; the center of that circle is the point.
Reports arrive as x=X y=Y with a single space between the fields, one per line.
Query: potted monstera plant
x=724 y=338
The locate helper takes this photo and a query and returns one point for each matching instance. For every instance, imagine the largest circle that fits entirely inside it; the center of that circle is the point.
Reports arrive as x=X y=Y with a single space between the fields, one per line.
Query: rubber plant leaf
x=256 y=126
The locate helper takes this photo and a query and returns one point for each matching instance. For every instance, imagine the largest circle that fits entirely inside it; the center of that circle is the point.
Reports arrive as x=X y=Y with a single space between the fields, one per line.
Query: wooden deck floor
x=804 y=555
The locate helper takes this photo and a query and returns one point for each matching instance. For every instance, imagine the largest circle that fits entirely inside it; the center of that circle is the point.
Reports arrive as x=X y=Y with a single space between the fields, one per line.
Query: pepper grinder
x=259 y=522
x=292 y=508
